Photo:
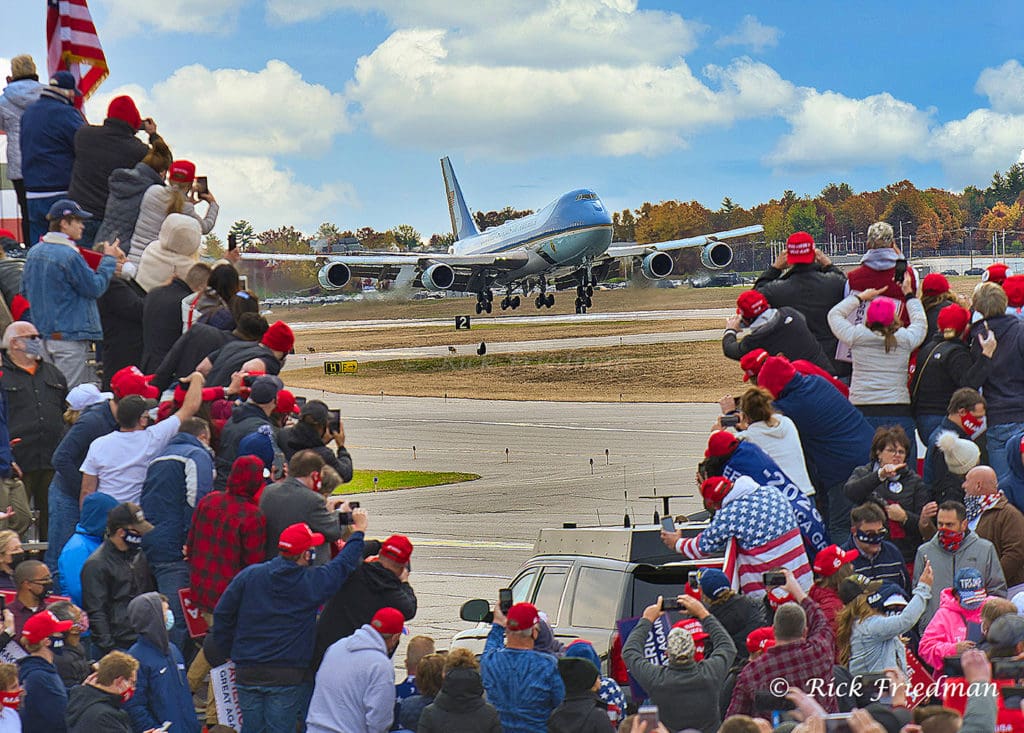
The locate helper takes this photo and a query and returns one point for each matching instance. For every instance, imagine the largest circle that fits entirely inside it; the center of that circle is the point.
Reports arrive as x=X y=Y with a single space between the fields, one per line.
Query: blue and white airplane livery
x=568 y=241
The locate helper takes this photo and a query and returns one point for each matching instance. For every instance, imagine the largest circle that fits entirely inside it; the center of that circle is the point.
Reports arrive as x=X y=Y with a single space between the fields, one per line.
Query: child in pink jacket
x=956 y=626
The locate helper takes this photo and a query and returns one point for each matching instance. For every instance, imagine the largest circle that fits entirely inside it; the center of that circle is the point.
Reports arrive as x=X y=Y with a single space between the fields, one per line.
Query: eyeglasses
x=42 y=581
x=895 y=451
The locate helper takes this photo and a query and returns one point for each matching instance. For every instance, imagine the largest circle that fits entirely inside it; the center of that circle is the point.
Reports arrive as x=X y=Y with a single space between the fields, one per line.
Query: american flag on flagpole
x=72 y=44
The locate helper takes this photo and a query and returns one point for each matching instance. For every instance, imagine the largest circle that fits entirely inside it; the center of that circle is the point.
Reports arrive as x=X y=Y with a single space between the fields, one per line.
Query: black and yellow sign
x=340 y=367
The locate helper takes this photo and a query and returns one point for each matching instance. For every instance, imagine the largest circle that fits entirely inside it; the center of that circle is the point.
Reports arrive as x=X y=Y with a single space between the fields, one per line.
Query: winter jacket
x=875 y=643
x=48 y=128
x=1003 y=526
x=126 y=187
x=99 y=151
x=878 y=270
x=885 y=565
x=460 y=707
x=35 y=411
x=931 y=312
x=778 y=331
x=110 y=580
x=580 y=712
x=782 y=444
x=90 y=709
x=974 y=553
x=72 y=663
x=230 y=358
x=17 y=97
x=907 y=490
x=161 y=688
x=303 y=436
x=524 y=685
x=161 y=319
x=739 y=615
x=245 y=418
x=369 y=588
x=289 y=502
x=835 y=436
x=266 y=619
x=172 y=255
x=94 y=422
x=810 y=289
x=355 y=687
x=879 y=378
x=828 y=601
x=1013 y=484
x=944 y=366
x=411 y=708
x=121 y=308
x=46 y=699
x=947 y=627
x=188 y=352
x=152 y=212
x=686 y=693
x=1004 y=387
x=176 y=481
x=63 y=290
x=943 y=483
x=227 y=534
x=87 y=538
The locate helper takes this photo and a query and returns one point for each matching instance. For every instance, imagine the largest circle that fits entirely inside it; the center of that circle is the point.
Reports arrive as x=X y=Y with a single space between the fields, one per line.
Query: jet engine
x=334 y=275
x=657 y=265
x=716 y=255
x=438 y=276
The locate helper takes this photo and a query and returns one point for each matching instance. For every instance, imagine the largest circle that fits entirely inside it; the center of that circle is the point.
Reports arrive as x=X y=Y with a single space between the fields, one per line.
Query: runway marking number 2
x=462 y=323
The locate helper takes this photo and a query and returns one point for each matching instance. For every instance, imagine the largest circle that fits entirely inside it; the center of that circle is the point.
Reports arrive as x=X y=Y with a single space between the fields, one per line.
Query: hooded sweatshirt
x=460 y=707
x=46 y=699
x=355 y=687
x=173 y=254
x=974 y=552
x=782 y=444
x=127 y=187
x=153 y=211
x=947 y=627
x=17 y=96
x=878 y=270
x=87 y=537
x=91 y=709
x=161 y=690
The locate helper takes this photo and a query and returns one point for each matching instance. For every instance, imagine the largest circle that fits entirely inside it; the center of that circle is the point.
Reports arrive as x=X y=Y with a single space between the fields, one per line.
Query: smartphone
x=300 y=401
x=773 y=579
x=1012 y=697
x=648 y=714
x=505 y=599
x=201 y=185
x=334 y=421
x=974 y=632
x=668 y=524
x=670 y=604
x=899 y=271
x=344 y=518
x=165 y=727
x=693 y=579
x=354 y=504
x=766 y=702
x=233 y=242
x=729 y=421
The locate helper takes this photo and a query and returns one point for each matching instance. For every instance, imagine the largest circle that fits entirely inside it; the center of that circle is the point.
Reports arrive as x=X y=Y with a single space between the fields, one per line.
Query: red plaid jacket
x=798 y=663
x=228 y=533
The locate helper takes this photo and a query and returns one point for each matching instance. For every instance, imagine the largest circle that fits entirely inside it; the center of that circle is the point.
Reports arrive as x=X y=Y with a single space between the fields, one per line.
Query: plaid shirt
x=228 y=533
x=797 y=663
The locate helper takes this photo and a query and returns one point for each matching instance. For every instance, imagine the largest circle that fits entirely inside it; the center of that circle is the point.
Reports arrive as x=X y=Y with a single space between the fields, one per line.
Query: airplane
x=568 y=241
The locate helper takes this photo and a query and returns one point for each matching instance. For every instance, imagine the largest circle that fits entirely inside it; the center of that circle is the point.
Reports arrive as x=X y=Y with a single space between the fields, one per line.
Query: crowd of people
x=146 y=438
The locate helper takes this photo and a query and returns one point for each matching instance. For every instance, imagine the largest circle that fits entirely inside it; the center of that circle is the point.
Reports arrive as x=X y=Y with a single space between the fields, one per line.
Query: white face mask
x=129 y=270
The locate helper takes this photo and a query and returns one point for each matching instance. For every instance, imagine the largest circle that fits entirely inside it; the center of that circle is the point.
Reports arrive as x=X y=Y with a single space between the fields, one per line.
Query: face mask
x=57 y=644
x=82 y=624
x=951 y=540
x=133 y=539
x=973 y=426
x=153 y=414
x=129 y=270
x=168 y=619
x=127 y=694
x=10 y=700
x=870 y=538
x=33 y=347
x=312 y=556
x=45 y=590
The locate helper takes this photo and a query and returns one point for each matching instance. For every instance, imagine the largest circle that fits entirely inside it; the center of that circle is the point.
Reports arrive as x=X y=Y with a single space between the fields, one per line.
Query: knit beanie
x=279 y=337
x=123 y=108
x=881 y=311
x=259 y=445
x=961 y=455
x=578 y=675
x=680 y=646
x=934 y=283
x=953 y=317
x=1014 y=287
x=775 y=374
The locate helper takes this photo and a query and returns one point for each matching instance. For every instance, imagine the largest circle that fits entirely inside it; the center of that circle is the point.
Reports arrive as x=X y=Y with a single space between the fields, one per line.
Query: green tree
x=774 y=222
x=670 y=220
x=441 y=242
x=372 y=239
x=213 y=246
x=245 y=235
x=836 y=193
x=496 y=218
x=803 y=216
x=329 y=232
x=406 y=236
x=623 y=226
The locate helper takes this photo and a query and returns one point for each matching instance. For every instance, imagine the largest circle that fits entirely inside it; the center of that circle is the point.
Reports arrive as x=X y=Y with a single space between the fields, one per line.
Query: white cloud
x=236 y=125
x=1004 y=86
x=130 y=17
x=751 y=88
x=752 y=33
x=983 y=142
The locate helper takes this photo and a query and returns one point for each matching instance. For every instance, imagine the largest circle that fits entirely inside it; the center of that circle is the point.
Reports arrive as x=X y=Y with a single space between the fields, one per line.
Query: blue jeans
x=909 y=426
x=37 y=211
x=273 y=709
x=997 y=436
x=64 y=516
x=170 y=578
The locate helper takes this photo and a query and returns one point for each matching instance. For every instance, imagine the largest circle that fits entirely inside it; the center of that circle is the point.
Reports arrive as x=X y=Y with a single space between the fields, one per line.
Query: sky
x=305 y=111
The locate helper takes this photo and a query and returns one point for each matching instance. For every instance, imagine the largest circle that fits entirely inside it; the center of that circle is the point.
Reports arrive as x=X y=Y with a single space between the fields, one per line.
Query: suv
x=587 y=579
x=721 y=280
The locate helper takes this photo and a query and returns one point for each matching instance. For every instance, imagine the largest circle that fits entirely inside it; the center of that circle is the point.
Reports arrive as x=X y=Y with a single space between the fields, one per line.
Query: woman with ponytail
x=177 y=197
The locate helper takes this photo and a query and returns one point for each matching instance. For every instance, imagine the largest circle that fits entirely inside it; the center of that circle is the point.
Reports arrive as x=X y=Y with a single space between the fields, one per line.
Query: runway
x=470 y=538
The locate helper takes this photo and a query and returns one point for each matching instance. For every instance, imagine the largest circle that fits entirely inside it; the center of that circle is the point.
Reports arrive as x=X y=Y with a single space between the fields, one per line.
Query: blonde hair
x=114 y=665
x=756 y=405
x=888 y=332
x=23 y=65
x=159 y=157
x=6 y=536
x=8 y=676
x=989 y=299
x=849 y=616
x=178 y=191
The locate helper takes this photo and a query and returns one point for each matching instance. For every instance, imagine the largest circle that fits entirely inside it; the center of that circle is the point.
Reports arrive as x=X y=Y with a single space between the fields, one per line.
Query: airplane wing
x=639 y=250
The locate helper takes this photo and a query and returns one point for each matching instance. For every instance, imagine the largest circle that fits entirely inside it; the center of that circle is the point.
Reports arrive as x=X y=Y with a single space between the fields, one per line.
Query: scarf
x=951 y=540
x=977 y=505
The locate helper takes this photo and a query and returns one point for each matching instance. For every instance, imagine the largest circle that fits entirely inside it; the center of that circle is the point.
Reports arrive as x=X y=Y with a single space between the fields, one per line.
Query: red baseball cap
x=388 y=621
x=130 y=380
x=397 y=547
x=828 y=561
x=1014 y=287
x=182 y=171
x=934 y=283
x=996 y=273
x=42 y=625
x=751 y=304
x=954 y=316
x=760 y=639
x=693 y=626
x=522 y=616
x=721 y=443
x=298 y=538
x=800 y=248
x=751 y=363
x=286 y=403
x=715 y=488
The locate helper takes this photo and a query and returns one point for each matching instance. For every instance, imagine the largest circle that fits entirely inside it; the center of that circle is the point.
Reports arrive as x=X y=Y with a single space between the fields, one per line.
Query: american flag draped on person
x=73 y=45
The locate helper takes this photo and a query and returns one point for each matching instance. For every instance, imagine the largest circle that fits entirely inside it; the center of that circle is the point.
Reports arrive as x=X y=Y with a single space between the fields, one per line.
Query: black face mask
x=45 y=589
x=133 y=540
x=57 y=644
x=17 y=558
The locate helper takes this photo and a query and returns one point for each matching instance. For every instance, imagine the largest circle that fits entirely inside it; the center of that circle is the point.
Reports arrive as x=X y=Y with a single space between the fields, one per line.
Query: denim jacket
x=62 y=290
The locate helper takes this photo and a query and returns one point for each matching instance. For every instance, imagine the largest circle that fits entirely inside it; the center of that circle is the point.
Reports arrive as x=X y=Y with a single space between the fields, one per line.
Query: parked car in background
x=950 y=272
x=721 y=280
x=975 y=271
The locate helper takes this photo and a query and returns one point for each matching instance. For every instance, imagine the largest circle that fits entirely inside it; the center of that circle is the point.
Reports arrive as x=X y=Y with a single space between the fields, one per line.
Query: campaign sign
x=655 y=647
x=229 y=712
x=11 y=653
x=194 y=621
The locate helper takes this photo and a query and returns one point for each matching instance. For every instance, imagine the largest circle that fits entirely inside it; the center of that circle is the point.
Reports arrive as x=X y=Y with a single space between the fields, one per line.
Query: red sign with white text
x=194 y=620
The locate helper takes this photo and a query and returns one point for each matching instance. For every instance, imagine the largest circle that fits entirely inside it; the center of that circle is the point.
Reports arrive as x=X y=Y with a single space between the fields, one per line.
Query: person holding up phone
x=685 y=691
x=318 y=426
x=956 y=626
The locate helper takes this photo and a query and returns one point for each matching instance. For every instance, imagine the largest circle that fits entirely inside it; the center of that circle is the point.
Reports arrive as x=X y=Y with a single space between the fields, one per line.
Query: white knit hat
x=961 y=455
x=173 y=253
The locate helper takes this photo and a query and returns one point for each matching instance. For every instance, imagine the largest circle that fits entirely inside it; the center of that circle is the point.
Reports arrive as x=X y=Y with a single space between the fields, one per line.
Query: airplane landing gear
x=510 y=301
x=544 y=298
x=584 y=291
x=483 y=301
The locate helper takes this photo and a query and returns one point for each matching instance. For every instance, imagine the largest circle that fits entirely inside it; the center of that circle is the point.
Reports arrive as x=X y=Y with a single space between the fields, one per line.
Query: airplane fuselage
x=567 y=233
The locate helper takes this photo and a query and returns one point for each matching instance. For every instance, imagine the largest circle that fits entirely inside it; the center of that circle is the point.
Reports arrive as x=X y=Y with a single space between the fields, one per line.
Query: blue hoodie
x=48 y=128
x=1013 y=484
x=87 y=537
x=46 y=698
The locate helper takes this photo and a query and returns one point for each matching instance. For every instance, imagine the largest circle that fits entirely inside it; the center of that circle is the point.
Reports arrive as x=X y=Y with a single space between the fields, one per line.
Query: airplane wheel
x=590 y=290
x=583 y=309
x=587 y=302
x=578 y=310
x=479 y=308
x=515 y=302
x=539 y=302
x=504 y=305
x=487 y=306
x=549 y=300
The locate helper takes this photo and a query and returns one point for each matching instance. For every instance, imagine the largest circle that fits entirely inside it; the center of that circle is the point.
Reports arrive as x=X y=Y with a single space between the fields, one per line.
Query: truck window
x=595 y=604
x=521 y=585
x=549 y=592
x=649 y=582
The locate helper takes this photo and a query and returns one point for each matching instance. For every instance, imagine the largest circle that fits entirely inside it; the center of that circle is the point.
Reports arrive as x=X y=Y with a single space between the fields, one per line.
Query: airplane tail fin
x=462 y=221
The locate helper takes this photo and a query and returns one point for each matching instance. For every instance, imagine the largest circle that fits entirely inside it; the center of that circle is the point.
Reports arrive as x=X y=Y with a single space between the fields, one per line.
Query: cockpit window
x=586 y=196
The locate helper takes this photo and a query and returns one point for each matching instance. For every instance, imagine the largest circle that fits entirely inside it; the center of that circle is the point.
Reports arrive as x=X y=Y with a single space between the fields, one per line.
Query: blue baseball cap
x=713 y=582
x=969 y=588
x=66 y=207
x=65 y=80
